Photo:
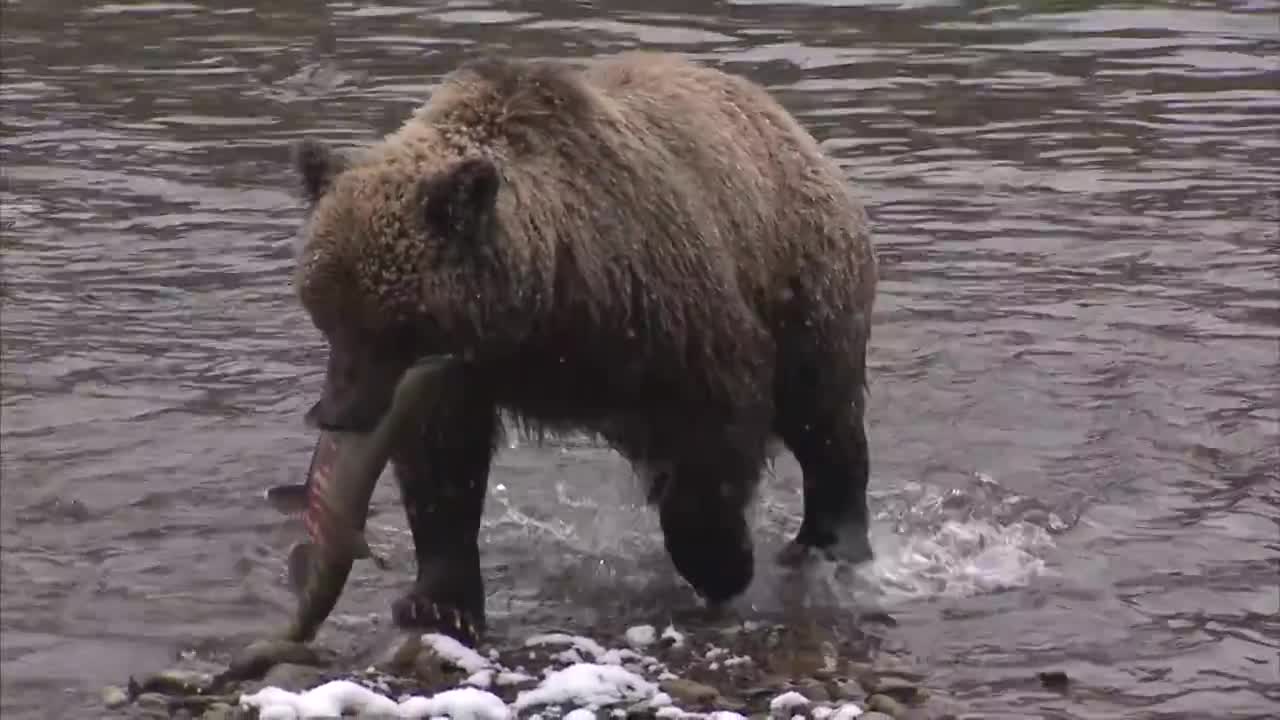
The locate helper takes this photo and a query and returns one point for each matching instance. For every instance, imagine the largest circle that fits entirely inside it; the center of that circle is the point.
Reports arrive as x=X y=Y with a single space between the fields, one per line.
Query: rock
x=887 y=705
x=433 y=671
x=219 y=711
x=873 y=715
x=197 y=704
x=901 y=688
x=846 y=690
x=293 y=677
x=1054 y=679
x=152 y=704
x=114 y=697
x=855 y=669
x=814 y=690
x=689 y=692
x=677 y=655
x=760 y=691
x=398 y=659
x=152 y=700
x=177 y=682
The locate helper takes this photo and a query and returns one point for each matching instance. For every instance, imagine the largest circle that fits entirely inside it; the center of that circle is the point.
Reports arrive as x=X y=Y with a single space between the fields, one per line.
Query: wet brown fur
x=670 y=247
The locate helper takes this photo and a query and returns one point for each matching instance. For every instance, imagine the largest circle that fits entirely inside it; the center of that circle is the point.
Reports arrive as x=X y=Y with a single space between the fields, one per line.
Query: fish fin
x=288 y=499
x=300 y=567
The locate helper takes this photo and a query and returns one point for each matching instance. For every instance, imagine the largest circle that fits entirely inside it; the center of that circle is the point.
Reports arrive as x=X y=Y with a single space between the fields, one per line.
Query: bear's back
x=654 y=210
x=648 y=150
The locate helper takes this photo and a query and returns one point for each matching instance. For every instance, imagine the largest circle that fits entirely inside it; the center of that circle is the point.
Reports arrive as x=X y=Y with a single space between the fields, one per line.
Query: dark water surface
x=1074 y=404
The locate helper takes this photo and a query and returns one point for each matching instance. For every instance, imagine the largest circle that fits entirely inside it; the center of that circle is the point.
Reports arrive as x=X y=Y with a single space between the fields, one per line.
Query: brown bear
x=643 y=248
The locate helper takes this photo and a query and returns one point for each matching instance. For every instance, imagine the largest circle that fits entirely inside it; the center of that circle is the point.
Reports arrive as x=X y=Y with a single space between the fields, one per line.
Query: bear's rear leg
x=702 y=511
x=831 y=447
x=443 y=473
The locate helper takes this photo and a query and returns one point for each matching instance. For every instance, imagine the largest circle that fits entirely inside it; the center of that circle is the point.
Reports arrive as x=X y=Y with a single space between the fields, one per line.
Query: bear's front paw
x=851 y=550
x=416 y=611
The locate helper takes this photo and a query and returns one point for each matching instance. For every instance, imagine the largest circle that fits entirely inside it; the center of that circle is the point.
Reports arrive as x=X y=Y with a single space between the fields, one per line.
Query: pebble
x=873 y=715
x=432 y=670
x=177 y=682
x=219 y=711
x=689 y=692
x=730 y=704
x=814 y=690
x=887 y=705
x=897 y=687
x=193 y=704
x=293 y=677
x=152 y=704
x=1054 y=679
x=114 y=697
x=677 y=654
x=399 y=657
x=846 y=689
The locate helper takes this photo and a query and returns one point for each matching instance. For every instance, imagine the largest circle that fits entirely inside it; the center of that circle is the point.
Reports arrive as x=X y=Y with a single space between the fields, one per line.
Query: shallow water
x=1074 y=395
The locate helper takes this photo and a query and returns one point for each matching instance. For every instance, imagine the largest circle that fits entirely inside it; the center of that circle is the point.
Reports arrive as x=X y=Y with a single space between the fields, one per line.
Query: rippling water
x=1074 y=403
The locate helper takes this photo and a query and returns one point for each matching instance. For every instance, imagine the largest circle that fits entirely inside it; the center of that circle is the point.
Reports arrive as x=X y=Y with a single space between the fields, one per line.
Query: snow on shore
x=592 y=678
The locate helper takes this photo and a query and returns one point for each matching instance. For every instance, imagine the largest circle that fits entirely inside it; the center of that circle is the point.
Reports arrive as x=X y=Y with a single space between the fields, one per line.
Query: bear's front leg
x=443 y=472
x=702 y=512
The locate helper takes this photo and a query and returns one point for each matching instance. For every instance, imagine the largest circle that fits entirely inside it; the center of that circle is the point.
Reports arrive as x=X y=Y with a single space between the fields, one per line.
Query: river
x=1074 y=392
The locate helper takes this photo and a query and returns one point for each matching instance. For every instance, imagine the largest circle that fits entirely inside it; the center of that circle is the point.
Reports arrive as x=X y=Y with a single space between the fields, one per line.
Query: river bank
x=720 y=671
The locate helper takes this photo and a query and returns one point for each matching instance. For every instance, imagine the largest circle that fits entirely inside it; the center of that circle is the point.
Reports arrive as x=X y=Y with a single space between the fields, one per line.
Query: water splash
x=958 y=542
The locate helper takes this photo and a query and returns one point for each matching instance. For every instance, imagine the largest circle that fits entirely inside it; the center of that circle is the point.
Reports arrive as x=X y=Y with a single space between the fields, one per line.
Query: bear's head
x=387 y=268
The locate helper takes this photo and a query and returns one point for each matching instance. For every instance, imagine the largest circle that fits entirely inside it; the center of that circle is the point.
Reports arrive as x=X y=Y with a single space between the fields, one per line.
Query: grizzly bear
x=639 y=247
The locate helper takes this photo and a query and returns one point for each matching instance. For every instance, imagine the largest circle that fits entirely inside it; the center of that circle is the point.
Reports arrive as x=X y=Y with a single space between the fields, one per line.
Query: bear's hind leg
x=829 y=441
x=443 y=472
x=702 y=512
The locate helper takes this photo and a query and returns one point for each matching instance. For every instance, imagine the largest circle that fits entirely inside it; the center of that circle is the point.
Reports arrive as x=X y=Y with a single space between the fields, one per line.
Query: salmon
x=345 y=467
x=334 y=503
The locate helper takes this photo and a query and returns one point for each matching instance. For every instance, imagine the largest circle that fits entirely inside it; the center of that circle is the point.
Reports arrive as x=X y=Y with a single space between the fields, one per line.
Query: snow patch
x=788 y=701
x=331 y=699
x=456 y=653
x=641 y=636
x=588 y=684
x=577 y=642
x=458 y=704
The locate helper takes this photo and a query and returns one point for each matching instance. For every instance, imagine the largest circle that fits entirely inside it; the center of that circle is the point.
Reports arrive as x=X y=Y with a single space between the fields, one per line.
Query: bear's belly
x=593 y=394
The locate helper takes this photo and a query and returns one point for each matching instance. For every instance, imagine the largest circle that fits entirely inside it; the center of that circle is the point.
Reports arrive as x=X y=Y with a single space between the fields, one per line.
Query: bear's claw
x=416 y=611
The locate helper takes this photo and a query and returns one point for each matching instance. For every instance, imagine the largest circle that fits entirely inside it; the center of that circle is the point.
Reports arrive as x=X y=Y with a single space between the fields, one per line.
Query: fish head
x=360 y=381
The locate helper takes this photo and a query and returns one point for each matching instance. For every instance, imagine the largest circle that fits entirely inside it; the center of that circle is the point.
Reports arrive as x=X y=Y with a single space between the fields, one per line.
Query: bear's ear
x=460 y=201
x=317 y=165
